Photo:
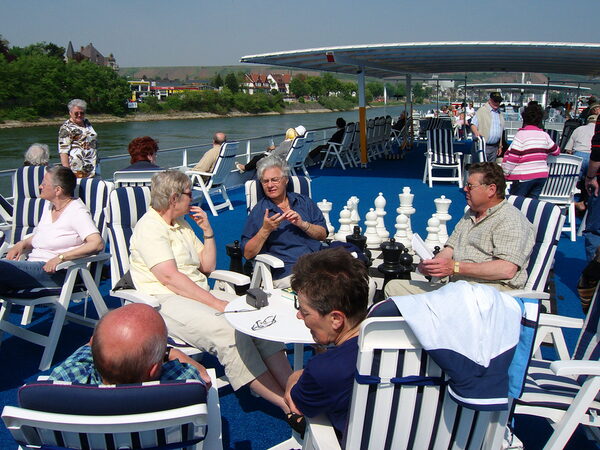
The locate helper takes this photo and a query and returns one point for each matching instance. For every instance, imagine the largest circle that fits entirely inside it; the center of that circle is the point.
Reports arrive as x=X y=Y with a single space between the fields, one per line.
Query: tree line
x=35 y=81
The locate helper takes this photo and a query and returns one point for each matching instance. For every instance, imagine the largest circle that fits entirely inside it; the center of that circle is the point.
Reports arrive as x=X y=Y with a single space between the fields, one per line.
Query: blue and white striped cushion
x=441 y=144
x=27 y=180
x=94 y=193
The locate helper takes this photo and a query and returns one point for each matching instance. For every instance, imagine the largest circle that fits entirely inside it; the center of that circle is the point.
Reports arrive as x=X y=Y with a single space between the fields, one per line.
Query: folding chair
x=441 y=155
x=565 y=391
x=216 y=180
x=341 y=152
x=299 y=152
x=145 y=416
x=561 y=185
x=123 y=178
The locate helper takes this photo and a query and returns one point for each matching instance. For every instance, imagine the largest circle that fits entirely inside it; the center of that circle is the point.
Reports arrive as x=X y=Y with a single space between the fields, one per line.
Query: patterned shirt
x=79 y=368
x=80 y=144
x=504 y=233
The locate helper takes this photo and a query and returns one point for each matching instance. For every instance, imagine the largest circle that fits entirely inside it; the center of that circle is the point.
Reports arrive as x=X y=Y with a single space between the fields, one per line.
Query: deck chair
x=6 y=218
x=554 y=135
x=216 y=180
x=441 y=155
x=340 y=153
x=264 y=263
x=298 y=153
x=565 y=391
x=561 y=185
x=134 y=177
x=400 y=399
x=146 y=416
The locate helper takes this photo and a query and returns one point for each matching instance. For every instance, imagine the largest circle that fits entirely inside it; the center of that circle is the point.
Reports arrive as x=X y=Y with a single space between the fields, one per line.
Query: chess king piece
x=442 y=206
x=325 y=208
x=406 y=208
x=345 y=229
x=380 y=203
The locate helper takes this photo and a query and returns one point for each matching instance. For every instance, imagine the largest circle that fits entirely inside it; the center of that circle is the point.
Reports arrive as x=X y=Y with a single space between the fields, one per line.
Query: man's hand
x=437 y=267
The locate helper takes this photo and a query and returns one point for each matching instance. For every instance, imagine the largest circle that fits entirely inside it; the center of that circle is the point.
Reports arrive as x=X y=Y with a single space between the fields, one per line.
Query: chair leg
x=223 y=190
x=572 y=225
x=27 y=315
x=211 y=205
x=5 y=309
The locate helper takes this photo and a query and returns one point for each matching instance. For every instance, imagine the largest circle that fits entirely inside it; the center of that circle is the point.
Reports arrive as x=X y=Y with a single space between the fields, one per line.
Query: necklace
x=63 y=206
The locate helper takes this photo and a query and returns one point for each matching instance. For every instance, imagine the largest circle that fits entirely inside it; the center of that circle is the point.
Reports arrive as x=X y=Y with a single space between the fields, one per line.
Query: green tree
x=299 y=86
x=232 y=83
x=376 y=88
x=315 y=86
x=217 y=81
x=330 y=84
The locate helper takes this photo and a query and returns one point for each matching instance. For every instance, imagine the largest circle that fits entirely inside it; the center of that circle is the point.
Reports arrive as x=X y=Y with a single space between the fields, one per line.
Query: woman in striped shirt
x=525 y=160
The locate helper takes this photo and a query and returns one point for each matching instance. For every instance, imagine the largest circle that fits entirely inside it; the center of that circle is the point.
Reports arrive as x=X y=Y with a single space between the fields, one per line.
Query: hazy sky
x=186 y=32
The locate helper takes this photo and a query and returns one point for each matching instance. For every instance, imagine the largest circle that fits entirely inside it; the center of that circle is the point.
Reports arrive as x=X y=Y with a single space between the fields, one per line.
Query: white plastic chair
x=299 y=152
x=341 y=152
x=134 y=177
x=441 y=155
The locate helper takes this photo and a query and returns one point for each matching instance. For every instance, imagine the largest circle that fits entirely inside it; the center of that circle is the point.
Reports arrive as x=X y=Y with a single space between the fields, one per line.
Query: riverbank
x=297 y=108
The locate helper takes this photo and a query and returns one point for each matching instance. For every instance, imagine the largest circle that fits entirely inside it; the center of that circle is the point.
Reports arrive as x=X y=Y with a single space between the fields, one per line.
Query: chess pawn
x=325 y=208
x=406 y=208
x=380 y=203
x=373 y=239
x=442 y=205
x=401 y=235
x=345 y=228
x=433 y=228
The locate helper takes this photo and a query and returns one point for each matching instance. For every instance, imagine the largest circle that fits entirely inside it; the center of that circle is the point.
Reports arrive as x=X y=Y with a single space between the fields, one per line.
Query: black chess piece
x=234 y=251
x=406 y=261
x=360 y=242
x=392 y=267
x=436 y=250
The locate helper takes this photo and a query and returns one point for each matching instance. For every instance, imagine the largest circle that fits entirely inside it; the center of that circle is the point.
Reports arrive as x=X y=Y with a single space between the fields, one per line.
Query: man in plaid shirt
x=129 y=345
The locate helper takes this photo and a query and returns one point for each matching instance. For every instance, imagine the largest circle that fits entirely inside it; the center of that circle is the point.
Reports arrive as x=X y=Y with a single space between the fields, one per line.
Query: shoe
x=240 y=167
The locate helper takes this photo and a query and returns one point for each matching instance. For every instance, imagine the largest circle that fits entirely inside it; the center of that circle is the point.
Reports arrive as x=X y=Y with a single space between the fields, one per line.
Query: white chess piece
x=373 y=239
x=406 y=208
x=433 y=240
x=354 y=215
x=442 y=205
x=380 y=203
x=401 y=236
x=325 y=208
x=345 y=229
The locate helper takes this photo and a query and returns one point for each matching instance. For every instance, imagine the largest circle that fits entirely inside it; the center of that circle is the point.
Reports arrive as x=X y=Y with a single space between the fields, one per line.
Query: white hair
x=37 y=155
x=77 y=102
x=269 y=162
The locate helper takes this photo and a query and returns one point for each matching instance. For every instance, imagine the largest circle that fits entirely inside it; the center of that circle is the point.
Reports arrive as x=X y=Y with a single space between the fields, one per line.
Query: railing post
x=248 y=151
x=185 y=159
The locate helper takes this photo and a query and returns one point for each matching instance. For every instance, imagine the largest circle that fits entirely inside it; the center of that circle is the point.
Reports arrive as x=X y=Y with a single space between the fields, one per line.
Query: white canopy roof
x=528 y=87
x=385 y=60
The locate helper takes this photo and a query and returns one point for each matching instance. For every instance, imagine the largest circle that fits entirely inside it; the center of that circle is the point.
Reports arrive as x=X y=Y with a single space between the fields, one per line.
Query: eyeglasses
x=189 y=194
x=274 y=180
x=470 y=187
x=266 y=322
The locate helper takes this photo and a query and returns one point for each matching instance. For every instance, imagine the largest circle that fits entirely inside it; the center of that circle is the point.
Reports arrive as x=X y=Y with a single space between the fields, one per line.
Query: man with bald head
x=129 y=345
x=208 y=161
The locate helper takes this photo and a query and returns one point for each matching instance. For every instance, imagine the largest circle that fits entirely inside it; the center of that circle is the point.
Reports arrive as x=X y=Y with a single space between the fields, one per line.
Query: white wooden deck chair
x=216 y=180
x=340 y=153
x=441 y=156
x=407 y=406
x=561 y=185
x=264 y=263
x=123 y=178
x=299 y=152
x=145 y=416
x=565 y=391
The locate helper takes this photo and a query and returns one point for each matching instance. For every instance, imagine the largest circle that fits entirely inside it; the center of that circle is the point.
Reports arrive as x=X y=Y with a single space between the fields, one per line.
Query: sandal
x=240 y=167
x=297 y=422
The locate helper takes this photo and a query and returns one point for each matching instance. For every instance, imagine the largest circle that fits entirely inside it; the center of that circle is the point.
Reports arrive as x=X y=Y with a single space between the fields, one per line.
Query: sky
x=203 y=33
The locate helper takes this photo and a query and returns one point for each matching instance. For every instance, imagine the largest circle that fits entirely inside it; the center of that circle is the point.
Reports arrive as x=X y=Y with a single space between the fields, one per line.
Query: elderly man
x=129 y=345
x=285 y=225
x=489 y=123
x=209 y=159
x=490 y=244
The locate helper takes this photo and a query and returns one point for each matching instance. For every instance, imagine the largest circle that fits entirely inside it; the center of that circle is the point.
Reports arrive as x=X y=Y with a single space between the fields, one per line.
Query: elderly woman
x=37 y=155
x=143 y=154
x=284 y=224
x=332 y=289
x=169 y=262
x=66 y=231
x=77 y=141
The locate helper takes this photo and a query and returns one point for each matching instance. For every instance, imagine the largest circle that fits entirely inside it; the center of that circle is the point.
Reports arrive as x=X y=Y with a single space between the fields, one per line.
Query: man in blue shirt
x=129 y=345
x=489 y=123
x=285 y=225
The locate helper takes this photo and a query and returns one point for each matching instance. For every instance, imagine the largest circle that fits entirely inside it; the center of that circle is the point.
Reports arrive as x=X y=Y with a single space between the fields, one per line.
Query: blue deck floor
x=251 y=423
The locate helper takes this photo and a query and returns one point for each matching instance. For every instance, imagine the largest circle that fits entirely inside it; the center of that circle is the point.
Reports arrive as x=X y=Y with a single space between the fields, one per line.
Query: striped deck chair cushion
x=547 y=220
x=554 y=398
x=255 y=192
x=27 y=180
x=94 y=193
x=27 y=214
x=441 y=144
x=72 y=398
x=126 y=206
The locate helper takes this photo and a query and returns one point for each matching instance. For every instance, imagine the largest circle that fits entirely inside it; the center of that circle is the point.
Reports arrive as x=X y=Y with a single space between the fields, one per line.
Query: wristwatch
x=61 y=257
x=456 y=267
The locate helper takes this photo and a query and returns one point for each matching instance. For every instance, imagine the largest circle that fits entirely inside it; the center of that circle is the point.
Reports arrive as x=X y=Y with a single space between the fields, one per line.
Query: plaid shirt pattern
x=504 y=233
x=79 y=368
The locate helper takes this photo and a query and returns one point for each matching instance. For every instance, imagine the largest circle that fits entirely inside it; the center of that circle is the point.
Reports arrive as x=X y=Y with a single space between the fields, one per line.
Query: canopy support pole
x=362 y=116
x=409 y=98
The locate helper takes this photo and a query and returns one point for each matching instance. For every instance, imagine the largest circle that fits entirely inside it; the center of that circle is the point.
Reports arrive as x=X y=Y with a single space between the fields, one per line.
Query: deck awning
x=528 y=87
x=388 y=60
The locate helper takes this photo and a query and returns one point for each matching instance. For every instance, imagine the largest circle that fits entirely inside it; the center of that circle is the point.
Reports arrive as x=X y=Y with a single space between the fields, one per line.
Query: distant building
x=91 y=54
x=259 y=82
x=280 y=82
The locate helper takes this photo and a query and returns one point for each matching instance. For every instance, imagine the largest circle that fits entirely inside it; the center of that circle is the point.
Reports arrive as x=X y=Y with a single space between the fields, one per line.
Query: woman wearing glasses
x=169 y=262
x=283 y=224
x=77 y=141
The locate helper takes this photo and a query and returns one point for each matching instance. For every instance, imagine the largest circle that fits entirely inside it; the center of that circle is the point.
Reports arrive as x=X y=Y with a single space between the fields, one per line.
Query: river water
x=113 y=138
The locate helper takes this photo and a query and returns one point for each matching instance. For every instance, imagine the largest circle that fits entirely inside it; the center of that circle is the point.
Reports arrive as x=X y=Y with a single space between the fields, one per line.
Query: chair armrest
x=576 y=367
x=320 y=434
x=554 y=320
x=237 y=279
x=196 y=172
x=525 y=293
x=269 y=260
x=135 y=296
x=83 y=261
